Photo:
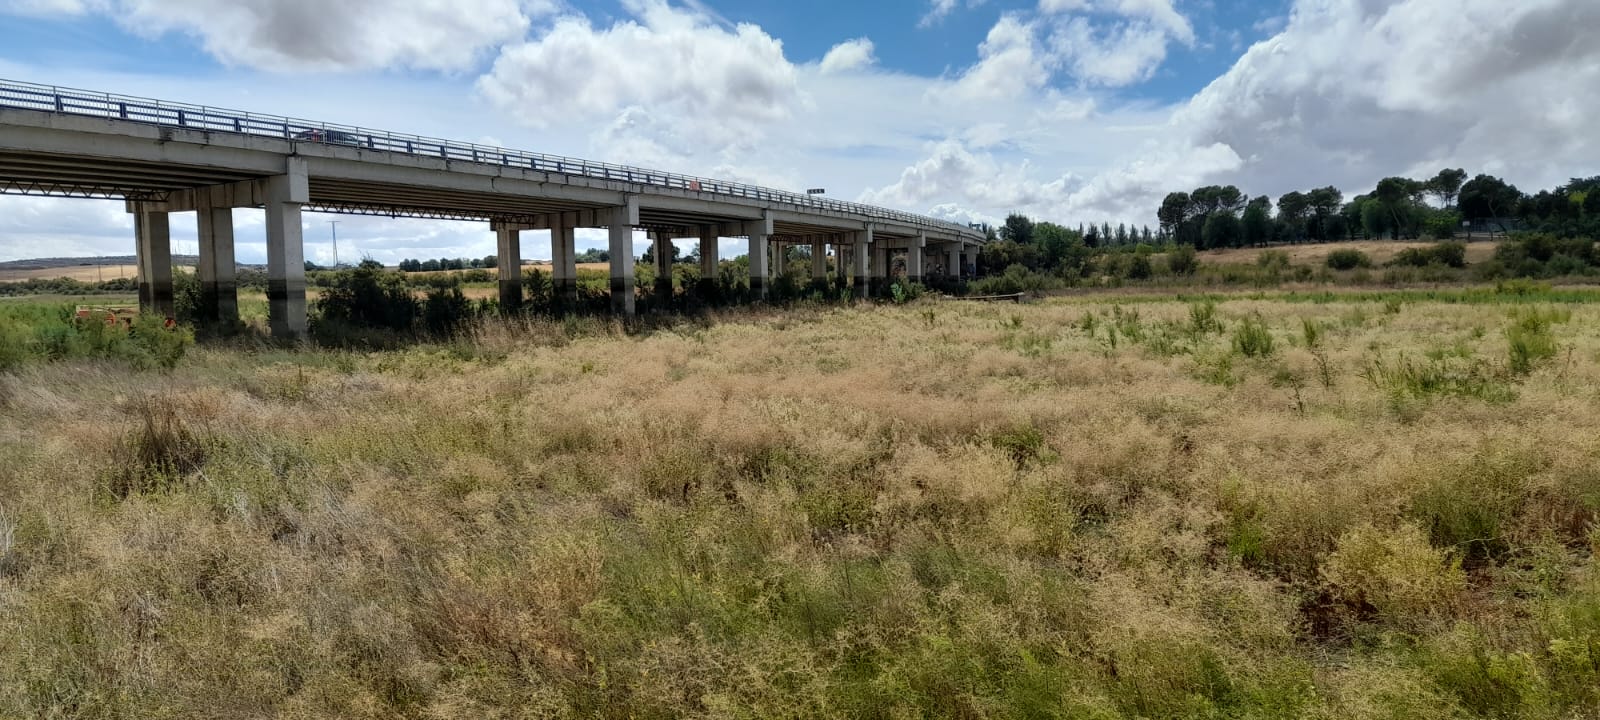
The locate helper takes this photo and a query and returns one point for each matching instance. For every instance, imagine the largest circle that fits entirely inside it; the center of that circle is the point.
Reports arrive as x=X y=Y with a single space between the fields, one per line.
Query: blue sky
x=1069 y=110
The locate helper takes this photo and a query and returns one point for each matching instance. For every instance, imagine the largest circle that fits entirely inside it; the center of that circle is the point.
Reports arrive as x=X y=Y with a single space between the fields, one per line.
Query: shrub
x=1348 y=259
x=16 y=340
x=1447 y=254
x=1252 y=338
x=1273 y=260
x=368 y=298
x=1395 y=575
x=1182 y=260
x=1139 y=268
x=445 y=311
x=1529 y=342
x=156 y=453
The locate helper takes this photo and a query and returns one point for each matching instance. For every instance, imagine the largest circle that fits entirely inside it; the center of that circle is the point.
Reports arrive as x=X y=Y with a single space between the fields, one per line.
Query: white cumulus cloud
x=848 y=55
x=299 y=35
x=670 y=80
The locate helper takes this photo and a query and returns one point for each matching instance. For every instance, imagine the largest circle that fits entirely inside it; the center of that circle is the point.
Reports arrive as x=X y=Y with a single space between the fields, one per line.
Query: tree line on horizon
x=1398 y=208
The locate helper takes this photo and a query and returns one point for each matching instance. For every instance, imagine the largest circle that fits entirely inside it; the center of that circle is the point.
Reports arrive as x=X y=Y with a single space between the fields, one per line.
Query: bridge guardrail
x=31 y=96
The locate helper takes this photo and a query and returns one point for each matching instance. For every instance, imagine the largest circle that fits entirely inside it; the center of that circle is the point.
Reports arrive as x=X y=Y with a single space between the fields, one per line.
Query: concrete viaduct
x=163 y=158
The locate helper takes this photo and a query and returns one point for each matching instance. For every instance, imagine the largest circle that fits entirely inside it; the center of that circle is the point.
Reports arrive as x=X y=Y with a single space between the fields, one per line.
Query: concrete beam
x=455 y=179
x=699 y=206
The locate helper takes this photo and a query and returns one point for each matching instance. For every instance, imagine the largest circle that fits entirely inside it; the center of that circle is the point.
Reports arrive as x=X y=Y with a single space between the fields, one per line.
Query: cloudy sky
x=1068 y=110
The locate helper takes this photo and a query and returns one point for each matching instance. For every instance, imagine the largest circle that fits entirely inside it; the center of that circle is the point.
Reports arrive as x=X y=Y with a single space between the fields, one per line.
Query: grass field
x=1376 y=505
x=1316 y=255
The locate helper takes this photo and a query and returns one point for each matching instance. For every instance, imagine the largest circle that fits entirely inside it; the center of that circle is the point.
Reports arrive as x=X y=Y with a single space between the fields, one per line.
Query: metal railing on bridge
x=32 y=96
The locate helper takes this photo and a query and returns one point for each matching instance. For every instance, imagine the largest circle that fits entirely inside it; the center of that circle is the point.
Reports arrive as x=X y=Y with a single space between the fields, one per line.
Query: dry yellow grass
x=1316 y=255
x=1066 y=509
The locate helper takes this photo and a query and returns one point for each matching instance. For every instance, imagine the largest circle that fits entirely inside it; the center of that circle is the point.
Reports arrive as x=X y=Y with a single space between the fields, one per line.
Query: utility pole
x=335 y=225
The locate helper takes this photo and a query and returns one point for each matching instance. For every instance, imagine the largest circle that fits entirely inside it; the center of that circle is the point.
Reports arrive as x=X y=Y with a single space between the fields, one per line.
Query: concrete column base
x=623 y=301
x=508 y=241
x=286 y=263
x=219 y=286
x=155 y=262
x=758 y=266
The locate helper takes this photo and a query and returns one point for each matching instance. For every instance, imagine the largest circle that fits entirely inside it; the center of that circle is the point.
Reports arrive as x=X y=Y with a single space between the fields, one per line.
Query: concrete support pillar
x=778 y=264
x=286 y=253
x=969 y=265
x=841 y=264
x=218 y=275
x=758 y=265
x=662 y=249
x=621 y=229
x=564 y=260
x=819 y=260
x=952 y=263
x=859 y=257
x=708 y=256
x=914 y=258
x=879 y=272
x=508 y=256
x=155 y=261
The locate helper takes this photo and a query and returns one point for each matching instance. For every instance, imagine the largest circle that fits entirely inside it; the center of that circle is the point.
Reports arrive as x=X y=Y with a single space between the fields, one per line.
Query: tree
x=1324 y=204
x=1222 y=230
x=1447 y=186
x=1373 y=218
x=1292 y=210
x=490 y=261
x=1174 y=212
x=1397 y=197
x=1591 y=203
x=1486 y=197
x=1122 y=233
x=1351 y=214
x=1257 y=223
x=1018 y=229
x=1062 y=249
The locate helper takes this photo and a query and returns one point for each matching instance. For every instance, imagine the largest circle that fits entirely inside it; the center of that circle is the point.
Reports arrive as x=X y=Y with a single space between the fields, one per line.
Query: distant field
x=81 y=273
x=1381 y=251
